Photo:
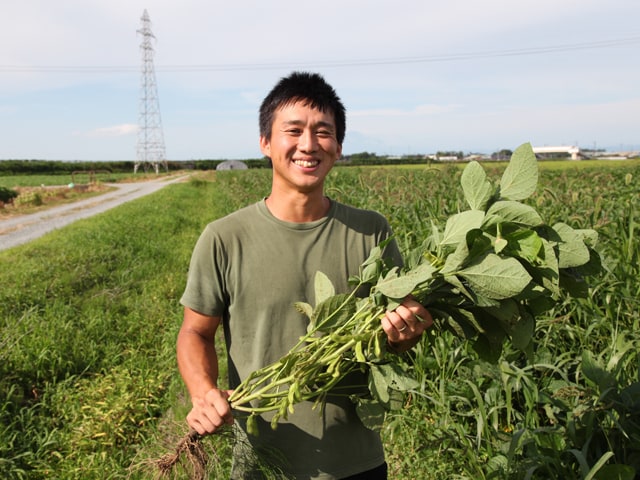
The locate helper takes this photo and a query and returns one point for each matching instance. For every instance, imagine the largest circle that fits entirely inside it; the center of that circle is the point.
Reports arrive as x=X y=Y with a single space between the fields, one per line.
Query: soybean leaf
x=456 y=260
x=304 y=308
x=396 y=377
x=333 y=312
x=487 y=350
x=547 y=273
x=396 y=400
x=455 y=322
x=490 y=220
x=371 y=413
x=541 y=305
x=588 y=235
x=467 y=320
x=572 y=252
x=479 y=244
x=459 y=225
x=372 y=267
x=323 y=287
x=476 y=187
x=573 y=283
x=492 y=330
x=515 y=212
x=435 y=238
x=525 y=244
x=507 y=313
x=399 y=286
x=460 y=291
x=496 y=278
x=307 y=310
x=520 y=178
x=522 y=332
x=593 y=266
x=500 y=244
x=533 y=291
x=455 y=281
x=378 y=383
x=515 y=321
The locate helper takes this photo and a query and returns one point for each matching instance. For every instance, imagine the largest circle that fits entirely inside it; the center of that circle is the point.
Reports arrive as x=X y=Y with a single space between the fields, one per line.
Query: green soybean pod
x=252 y=425
x=360 y=353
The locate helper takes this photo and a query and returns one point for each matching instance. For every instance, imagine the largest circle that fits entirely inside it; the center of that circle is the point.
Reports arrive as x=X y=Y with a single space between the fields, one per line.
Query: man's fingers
x=211 y=412
x=397 y=322
x=218 y=400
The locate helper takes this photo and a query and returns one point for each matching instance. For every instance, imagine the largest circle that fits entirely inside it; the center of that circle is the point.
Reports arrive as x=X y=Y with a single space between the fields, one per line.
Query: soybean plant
x=486 y=276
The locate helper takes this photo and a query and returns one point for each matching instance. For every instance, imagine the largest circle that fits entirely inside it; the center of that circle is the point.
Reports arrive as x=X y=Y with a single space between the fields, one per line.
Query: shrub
x=7 y=195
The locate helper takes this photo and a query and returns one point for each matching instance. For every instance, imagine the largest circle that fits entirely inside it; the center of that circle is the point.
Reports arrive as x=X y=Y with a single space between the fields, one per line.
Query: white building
x=572 y=150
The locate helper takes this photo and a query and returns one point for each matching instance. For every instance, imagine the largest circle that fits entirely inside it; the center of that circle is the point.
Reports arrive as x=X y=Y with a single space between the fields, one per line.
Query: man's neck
x=297 y=207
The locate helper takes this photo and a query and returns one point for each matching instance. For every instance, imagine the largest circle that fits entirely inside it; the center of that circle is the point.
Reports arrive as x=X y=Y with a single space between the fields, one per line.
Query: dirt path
x=24 y=228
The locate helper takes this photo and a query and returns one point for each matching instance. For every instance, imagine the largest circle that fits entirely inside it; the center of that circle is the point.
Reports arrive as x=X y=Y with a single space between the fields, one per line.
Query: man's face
x=303 y=147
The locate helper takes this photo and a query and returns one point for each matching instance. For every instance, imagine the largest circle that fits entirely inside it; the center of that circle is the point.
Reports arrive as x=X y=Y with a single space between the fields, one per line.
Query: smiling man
x=248 y=269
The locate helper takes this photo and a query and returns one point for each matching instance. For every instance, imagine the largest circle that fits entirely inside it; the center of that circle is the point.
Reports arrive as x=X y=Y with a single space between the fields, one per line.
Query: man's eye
x=294 y=131
x=324 y=133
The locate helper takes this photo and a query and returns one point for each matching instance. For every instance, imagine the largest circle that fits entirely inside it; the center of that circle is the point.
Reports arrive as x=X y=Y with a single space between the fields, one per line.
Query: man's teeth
x=306 y=163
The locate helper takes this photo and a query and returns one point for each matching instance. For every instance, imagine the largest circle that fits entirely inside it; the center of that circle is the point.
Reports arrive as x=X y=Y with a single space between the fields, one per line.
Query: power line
x=549 y=49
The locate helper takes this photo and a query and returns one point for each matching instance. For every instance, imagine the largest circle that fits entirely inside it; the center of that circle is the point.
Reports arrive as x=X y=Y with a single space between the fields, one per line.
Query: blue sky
x=416 y=76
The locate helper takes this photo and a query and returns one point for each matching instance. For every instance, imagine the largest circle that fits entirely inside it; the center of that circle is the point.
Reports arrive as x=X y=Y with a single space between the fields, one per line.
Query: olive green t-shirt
x=249 y=268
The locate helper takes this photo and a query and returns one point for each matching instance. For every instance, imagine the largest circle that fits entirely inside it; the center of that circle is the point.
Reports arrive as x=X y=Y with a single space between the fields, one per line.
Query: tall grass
x=89 y=315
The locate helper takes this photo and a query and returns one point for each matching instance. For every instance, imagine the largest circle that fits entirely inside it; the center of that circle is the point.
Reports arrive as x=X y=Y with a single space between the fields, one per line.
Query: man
x=249 y=268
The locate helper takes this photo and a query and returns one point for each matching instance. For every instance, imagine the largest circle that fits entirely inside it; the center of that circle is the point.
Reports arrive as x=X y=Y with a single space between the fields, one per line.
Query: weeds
x=93 y=308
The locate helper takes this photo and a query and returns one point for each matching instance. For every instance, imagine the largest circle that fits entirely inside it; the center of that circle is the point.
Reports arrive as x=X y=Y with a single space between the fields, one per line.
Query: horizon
x=634 y=152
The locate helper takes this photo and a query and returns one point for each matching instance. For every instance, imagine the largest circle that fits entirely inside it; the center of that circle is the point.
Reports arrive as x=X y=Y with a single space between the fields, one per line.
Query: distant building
x=232 y=165
x=573 y=151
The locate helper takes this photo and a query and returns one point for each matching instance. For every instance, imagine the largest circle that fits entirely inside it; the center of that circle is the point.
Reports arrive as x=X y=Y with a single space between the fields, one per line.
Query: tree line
x=61 y=167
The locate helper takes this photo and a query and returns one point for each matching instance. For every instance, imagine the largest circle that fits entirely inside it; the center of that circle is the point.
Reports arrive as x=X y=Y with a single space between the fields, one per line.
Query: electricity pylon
x=150 y=149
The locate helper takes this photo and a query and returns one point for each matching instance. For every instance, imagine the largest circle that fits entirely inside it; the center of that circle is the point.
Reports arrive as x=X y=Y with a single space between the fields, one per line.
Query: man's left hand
x=404 y=325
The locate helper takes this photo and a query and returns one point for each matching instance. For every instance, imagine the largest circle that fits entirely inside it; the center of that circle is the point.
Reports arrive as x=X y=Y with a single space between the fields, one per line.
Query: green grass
x=14 y=181
x=90 y=313
x=89 y=388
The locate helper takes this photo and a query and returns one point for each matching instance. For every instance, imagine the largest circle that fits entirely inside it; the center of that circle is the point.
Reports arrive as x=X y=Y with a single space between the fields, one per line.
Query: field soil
x=20 y=229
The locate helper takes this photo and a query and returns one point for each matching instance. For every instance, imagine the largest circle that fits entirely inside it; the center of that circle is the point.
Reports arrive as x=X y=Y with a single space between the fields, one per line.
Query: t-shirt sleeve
x=205 y=291
x=391 y=251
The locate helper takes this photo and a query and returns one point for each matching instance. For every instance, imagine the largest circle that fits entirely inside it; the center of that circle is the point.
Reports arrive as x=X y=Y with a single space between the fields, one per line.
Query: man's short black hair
x=307 y=87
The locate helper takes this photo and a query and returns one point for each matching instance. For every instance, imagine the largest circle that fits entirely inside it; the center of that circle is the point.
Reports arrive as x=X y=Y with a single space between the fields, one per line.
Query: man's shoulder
x=238 y=216
x=349 y=211
x=234 y=222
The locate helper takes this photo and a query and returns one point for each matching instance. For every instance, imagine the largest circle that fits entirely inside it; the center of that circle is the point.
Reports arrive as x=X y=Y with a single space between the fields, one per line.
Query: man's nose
x=307 y=141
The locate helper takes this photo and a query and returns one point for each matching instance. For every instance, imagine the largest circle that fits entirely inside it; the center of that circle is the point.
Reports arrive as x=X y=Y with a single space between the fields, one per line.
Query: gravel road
x=24 y=228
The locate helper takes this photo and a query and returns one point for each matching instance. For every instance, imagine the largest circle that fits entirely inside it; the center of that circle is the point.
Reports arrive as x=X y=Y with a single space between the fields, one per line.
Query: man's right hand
x=211 y=412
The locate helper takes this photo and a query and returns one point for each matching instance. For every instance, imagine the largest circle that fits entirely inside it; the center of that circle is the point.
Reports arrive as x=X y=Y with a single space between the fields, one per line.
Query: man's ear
x=265 y=146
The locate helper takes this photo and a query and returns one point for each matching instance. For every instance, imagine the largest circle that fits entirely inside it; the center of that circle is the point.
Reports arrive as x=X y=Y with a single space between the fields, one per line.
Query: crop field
x=89 y=387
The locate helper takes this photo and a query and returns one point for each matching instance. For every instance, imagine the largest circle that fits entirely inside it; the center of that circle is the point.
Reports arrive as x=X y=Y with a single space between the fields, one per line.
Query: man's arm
x=198 y=365
x=404 y=325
